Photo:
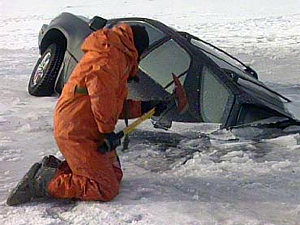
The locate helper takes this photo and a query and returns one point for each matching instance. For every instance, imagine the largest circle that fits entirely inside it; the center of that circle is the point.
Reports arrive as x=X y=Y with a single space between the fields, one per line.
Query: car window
x=221 y=59
x=251 y=113
x=154 y=33
x=215 y=97
x=161 y=62
x=211 y=50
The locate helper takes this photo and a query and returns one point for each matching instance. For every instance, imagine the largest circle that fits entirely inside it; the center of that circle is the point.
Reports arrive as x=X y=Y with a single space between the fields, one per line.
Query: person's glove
x=111 y=142
x=159 y=106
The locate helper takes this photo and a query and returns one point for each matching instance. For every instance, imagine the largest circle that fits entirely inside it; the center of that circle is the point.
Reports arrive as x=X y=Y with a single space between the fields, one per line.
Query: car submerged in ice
x=219 y=87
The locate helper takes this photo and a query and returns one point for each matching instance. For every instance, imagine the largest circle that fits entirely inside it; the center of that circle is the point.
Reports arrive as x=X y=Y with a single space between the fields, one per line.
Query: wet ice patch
x=243 y=157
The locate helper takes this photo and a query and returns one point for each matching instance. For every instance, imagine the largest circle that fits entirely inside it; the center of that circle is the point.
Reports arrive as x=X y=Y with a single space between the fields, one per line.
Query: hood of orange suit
x=120 y=36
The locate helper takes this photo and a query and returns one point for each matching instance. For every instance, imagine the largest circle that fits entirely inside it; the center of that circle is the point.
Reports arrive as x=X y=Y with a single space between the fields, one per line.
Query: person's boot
x=51 y=161
x=34 y=184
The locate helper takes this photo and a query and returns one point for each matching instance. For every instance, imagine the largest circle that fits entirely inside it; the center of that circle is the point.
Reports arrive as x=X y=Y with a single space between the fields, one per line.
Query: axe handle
x=108 y=145
x=144 y=117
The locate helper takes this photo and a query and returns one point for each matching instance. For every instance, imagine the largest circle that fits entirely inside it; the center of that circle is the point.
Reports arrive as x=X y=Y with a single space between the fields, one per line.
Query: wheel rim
x=40 y=71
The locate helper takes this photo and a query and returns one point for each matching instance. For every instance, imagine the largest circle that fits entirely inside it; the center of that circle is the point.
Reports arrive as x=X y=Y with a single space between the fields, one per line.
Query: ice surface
x=191 y=174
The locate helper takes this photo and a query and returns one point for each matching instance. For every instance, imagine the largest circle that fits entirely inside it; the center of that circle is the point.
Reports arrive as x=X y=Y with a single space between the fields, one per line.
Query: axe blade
x=180 y=96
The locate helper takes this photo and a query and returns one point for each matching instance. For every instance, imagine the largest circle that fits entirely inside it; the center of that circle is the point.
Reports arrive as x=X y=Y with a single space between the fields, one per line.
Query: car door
x=163 y=57
x=215 y=96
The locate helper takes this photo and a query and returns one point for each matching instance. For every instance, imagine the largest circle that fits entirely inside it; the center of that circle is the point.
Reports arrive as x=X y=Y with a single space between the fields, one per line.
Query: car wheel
x=43 y=77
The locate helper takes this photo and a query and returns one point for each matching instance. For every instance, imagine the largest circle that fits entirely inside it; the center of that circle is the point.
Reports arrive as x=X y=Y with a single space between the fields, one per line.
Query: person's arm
x=138 y=108
x=131 y=109
x=102 y=84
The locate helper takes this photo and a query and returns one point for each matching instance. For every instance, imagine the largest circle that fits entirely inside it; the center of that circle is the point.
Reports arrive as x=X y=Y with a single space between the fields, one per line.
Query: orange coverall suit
x=81 y=120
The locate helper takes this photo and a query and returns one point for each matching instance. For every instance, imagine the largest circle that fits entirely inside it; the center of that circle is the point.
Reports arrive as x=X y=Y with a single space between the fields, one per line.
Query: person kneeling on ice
x=86 y=114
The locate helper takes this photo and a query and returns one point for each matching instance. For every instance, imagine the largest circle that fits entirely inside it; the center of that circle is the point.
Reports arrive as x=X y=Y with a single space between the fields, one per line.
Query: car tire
x=44 y=74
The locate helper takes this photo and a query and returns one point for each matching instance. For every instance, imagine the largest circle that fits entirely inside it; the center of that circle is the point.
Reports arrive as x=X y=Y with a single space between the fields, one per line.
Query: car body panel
x=218 y=90
x=73 y=28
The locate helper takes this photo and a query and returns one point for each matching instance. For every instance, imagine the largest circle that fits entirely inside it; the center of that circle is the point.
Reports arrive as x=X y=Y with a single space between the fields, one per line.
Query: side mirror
x=180 y=96
x=97 y=23
x=251 y=71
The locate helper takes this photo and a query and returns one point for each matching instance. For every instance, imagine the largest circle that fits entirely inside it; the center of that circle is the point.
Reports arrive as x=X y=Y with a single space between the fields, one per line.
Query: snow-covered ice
x=191 y=174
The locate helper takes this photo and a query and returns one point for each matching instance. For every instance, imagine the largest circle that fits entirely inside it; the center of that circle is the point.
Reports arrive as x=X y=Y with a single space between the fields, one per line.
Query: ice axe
x=113 y=141
x=179 y=93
